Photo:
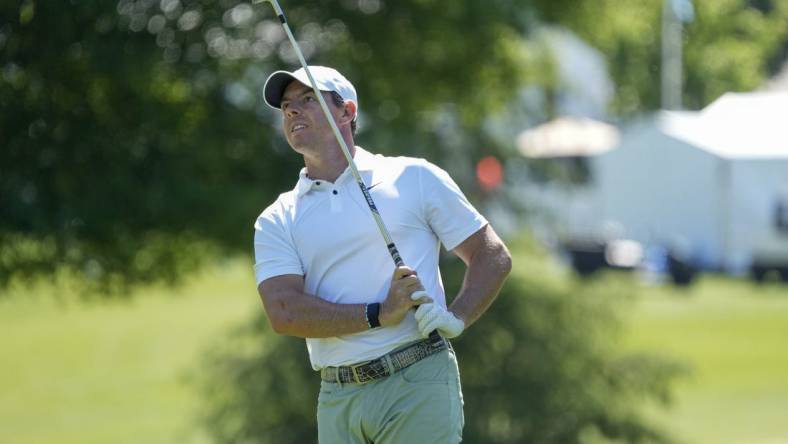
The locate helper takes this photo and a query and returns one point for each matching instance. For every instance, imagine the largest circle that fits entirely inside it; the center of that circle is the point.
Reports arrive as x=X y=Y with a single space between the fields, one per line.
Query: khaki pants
x=419 y=404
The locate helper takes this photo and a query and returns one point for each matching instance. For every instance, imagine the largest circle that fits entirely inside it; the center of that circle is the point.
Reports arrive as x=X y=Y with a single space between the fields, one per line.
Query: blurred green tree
x=541 y=366
x=731 y=45
x=121 y=159
x=135 y=143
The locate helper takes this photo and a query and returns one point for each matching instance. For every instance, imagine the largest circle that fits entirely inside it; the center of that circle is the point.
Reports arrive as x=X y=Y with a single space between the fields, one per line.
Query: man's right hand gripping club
x=402 y=296
x=406 y=291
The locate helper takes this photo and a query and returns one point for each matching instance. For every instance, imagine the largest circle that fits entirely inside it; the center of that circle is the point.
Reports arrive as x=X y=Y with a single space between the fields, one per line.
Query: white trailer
x=712 y=184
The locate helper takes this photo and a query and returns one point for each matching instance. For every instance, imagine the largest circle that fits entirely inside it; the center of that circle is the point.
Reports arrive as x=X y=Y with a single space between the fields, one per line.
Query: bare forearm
x=298 y=314
x=487 y=270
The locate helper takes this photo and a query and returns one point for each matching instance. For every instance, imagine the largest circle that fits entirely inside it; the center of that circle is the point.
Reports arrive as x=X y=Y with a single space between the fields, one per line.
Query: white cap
x=327 y=79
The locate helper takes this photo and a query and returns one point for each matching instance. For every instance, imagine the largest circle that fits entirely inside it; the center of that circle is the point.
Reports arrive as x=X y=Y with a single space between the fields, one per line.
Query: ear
x=349 y=111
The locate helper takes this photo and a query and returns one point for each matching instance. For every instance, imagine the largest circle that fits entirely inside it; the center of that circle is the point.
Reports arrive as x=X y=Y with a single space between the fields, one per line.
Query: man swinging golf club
x=323 y=273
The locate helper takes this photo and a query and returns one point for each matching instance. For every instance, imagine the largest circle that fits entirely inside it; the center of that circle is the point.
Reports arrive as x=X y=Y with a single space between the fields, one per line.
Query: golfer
x=325 y=274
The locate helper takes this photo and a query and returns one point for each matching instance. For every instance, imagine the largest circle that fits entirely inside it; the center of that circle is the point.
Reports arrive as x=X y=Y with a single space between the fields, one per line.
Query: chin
x=299 y=147
x=295 y=143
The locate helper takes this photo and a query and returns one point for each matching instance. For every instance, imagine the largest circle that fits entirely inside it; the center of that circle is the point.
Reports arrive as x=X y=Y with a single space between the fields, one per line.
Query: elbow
x=505 y=262
x=282 y=299
x=284 y=326
x=279 y=326
x=495 y=259
x=277 y=316
x=282 y=323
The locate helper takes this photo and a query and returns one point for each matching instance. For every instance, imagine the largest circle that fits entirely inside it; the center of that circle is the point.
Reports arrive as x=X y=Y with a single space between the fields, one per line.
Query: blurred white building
x=564 y=148
x=712 y=185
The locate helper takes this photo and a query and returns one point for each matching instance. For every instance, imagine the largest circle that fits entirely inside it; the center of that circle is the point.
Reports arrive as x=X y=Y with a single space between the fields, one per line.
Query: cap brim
x=275 y=87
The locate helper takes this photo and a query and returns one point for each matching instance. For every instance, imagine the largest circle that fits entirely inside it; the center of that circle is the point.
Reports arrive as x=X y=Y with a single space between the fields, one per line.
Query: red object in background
x=489 y=173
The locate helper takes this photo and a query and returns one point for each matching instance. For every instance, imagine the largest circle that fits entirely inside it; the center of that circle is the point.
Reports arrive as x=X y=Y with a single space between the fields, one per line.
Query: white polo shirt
x=324 y=231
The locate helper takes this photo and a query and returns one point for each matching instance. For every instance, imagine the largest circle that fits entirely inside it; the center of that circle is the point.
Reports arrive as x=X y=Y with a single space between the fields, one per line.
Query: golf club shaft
x=371 y=203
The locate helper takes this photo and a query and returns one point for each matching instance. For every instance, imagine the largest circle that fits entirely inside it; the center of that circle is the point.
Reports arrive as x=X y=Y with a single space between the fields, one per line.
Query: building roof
x=737 y=125
x=568 y=137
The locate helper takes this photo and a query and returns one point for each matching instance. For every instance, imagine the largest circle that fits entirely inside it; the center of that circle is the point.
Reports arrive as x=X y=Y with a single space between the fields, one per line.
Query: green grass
x=734 y=335
x=113 y=371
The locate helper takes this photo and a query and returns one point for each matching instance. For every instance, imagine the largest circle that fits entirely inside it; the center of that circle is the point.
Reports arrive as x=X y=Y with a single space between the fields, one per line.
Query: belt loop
x=389 y=365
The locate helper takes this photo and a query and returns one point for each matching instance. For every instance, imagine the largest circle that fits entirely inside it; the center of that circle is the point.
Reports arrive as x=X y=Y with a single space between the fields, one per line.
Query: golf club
x=371 y=203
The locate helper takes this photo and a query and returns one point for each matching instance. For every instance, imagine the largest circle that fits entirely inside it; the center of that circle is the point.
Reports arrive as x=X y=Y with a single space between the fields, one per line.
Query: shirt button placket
x=336 y=202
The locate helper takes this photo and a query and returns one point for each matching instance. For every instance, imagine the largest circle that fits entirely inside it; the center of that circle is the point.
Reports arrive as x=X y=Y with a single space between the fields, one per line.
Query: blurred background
x=633 y=154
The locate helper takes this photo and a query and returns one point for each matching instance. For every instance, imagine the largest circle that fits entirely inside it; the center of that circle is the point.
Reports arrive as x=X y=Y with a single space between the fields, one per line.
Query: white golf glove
x=432 y=316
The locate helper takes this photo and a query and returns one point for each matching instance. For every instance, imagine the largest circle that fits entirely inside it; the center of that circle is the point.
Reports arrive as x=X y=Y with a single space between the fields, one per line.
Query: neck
x=328 y=165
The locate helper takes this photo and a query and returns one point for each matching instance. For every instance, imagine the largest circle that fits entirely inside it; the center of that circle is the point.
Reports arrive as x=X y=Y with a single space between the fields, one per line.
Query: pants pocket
x=433 y=369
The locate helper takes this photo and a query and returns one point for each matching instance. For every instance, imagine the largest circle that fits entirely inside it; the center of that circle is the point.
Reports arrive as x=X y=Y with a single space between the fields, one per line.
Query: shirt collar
x=364 y=160
x=304 y=183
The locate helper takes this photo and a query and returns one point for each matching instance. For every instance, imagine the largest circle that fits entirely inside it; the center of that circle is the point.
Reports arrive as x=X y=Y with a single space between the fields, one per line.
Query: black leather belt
x=364 y=372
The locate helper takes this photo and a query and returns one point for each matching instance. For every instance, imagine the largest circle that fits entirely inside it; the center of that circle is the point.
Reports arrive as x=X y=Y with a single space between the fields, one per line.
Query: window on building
x=781 y=214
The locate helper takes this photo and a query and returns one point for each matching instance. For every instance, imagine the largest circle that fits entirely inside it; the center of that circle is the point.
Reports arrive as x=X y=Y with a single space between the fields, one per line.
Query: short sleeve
x=274 y=252
x=449 y=213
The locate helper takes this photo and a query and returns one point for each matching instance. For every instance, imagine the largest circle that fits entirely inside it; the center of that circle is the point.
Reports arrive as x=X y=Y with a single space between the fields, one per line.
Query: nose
x=291 y=111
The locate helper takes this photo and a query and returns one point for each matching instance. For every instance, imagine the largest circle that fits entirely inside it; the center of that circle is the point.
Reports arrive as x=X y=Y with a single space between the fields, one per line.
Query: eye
x=309 y=98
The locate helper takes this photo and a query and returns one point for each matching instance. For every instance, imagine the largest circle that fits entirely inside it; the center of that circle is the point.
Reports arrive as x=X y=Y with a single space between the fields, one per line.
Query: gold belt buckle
x=356 y=376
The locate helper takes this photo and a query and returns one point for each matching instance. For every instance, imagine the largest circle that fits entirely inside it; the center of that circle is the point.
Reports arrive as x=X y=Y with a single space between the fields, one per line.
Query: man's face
x=304 y=123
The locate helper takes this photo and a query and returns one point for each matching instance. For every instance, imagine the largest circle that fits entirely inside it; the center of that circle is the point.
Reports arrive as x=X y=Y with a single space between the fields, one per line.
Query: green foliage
x=729 y=48
x=116 y=161
x=260 y=389
x=730 y=45
x=539 y=367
